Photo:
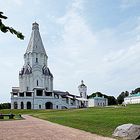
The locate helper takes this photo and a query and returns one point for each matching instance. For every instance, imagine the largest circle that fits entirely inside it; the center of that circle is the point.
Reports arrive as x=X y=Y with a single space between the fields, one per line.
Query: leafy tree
x=95 y=94
x=135 y=91
x=112 y=100
x=132 y=92
x=5 y=28
x=5 y=106
x=121 y=97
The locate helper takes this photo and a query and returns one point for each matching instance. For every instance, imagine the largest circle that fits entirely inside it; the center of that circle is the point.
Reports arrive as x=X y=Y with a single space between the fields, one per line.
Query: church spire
x=35 y=43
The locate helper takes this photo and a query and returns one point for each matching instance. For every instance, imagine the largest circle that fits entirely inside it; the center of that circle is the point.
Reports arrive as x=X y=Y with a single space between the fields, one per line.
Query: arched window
x=22 y=105
x=15 y=105
x=49 y=105
x=39 y=106
x=36 y=60
x=28 y=105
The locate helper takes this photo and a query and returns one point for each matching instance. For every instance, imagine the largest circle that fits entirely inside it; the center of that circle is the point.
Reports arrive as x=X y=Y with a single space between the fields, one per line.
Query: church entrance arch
x=28 y=105
x=49 y=105
x=22 y=105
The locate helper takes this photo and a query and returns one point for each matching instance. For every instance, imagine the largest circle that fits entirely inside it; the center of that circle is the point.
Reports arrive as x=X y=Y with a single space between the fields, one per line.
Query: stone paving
x=36 y=129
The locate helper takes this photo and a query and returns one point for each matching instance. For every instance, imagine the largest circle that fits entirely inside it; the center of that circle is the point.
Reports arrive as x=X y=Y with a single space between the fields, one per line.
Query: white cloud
x=129 y=3
x=76 y=49
x=18 y=2
x=99 y=58
x=10 y=5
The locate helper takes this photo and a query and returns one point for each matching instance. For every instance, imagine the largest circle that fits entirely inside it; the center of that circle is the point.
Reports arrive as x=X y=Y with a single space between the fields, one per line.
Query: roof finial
x=82 y=82
x=35 y=26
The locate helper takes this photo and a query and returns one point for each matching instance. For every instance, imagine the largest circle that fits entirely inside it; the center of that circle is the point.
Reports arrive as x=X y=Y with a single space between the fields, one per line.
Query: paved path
x=36 y=129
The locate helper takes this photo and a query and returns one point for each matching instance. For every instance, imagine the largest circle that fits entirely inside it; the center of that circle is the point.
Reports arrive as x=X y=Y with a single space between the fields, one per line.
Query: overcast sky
x=97 y=41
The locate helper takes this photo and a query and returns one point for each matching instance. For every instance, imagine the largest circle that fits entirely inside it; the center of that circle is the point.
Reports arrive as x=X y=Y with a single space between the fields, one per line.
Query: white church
x=35 y=89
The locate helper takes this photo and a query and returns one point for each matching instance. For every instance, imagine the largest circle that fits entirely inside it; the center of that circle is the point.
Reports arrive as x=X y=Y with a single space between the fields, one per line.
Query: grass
x=101 y=121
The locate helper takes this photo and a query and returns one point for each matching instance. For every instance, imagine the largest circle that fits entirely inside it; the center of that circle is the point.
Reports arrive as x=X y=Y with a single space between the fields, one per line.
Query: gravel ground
x=36 y=129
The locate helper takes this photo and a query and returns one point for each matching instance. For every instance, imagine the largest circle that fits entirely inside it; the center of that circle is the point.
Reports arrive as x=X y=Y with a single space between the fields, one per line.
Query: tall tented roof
x=35 y=43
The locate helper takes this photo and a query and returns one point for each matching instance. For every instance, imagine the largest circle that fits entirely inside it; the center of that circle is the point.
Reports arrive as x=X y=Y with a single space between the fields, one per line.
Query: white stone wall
x=132 y=100
x=30 y=80
x=19 y=100
x=58 y=103
x=97 y=102
x=83 y=92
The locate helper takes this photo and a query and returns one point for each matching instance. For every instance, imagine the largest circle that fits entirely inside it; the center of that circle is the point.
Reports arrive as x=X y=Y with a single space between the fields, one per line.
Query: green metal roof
x=98 y=98
x=134 y=95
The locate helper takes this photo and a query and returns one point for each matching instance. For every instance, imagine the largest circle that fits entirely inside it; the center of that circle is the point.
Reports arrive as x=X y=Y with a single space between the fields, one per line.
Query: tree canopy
x=121 y=97
x=5 y=28
x=5 y=106
x=135 y=91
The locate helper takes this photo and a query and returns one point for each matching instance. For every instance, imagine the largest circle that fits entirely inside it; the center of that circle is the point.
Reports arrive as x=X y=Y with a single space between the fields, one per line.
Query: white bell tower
x=83 y=90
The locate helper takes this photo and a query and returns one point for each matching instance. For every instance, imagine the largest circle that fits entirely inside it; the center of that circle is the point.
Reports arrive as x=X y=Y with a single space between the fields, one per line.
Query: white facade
x=83 y=90
x=35 y=72
x=35 y=89
x=97 y=101
x=132 y=99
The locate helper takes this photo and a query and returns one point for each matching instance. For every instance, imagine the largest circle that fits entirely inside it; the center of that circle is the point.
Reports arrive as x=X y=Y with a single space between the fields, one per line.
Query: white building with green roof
x=132 y=99
x=97 y=101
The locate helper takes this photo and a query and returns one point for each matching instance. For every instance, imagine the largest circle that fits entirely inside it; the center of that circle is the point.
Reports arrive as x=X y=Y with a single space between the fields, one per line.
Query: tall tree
x=5 y=28
x=121 y=97
x=112 y=100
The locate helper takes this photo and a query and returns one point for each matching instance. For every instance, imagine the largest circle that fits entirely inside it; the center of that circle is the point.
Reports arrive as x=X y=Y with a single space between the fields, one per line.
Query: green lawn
x=101 y=121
